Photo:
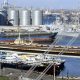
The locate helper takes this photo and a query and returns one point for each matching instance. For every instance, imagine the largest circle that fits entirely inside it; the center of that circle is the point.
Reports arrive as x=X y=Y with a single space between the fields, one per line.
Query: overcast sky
x=54 y=4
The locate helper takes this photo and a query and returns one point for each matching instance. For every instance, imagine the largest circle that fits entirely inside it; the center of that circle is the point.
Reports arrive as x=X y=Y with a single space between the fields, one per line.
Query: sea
x=71 y=67
x=72 y=64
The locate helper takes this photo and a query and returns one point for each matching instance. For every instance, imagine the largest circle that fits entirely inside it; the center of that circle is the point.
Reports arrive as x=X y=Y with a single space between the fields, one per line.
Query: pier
x=41 y=48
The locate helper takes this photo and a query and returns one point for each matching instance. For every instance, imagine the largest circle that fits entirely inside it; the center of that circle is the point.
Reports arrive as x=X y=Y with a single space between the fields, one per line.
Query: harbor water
x=65 y=40
x=72 y=67
x=72 y=64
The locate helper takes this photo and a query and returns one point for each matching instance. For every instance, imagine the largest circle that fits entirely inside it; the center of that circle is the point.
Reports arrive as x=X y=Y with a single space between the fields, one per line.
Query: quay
x=16 y=74
x=41 y=48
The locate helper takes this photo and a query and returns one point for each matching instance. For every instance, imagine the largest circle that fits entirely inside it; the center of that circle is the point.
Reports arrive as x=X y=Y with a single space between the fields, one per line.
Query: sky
x=50 y=4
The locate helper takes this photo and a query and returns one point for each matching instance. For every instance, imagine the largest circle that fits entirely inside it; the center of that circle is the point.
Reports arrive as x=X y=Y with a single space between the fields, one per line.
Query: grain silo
x=3 y=17
x=13 y=17
x=25 y=17
x=37 y=16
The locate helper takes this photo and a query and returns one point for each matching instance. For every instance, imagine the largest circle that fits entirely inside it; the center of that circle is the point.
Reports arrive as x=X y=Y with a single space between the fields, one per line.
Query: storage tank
x=25 y=17
x=13 y=17
x=37 y=16
x=3 y=17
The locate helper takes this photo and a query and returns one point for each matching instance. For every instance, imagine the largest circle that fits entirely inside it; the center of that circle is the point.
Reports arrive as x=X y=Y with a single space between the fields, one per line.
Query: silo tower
x=37 y=16
x=13 y=17
x=25 y=17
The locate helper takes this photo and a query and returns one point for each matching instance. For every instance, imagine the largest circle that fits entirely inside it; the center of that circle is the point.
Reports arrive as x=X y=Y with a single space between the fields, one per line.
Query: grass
x=4 y=78
x=66 y=79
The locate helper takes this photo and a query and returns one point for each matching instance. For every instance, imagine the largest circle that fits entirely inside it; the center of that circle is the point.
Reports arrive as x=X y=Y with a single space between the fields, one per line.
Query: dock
x=41 y=48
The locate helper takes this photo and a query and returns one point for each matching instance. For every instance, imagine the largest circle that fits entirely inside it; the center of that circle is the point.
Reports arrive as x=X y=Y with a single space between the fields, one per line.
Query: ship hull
x=22 y=66
x=35 y=37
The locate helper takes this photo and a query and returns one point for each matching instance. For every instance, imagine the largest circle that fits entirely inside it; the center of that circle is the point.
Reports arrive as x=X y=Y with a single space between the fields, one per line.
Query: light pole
x=54 y=71
x=0 y=69
x=67 y=75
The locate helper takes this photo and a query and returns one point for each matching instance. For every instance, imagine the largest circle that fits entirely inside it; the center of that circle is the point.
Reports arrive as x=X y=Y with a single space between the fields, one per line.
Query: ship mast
x=19 y=35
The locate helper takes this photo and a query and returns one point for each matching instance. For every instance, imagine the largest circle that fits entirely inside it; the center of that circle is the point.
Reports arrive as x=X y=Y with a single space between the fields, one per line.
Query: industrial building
x=14 y=16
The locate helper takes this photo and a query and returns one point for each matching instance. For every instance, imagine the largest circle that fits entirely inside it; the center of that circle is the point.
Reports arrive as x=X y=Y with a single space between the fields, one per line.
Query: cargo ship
x=38 y=62
x=35 y=36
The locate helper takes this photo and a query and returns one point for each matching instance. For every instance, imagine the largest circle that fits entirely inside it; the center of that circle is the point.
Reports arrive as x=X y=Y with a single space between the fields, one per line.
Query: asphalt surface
x=16 y=74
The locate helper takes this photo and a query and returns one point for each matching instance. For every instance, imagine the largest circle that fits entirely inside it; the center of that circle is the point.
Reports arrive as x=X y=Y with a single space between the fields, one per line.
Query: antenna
x=5 y=4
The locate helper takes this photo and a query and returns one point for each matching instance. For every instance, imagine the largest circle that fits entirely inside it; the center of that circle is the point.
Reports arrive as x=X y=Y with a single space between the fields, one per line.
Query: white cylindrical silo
x=13 y=17
x=37 y=16
x=25 y=17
